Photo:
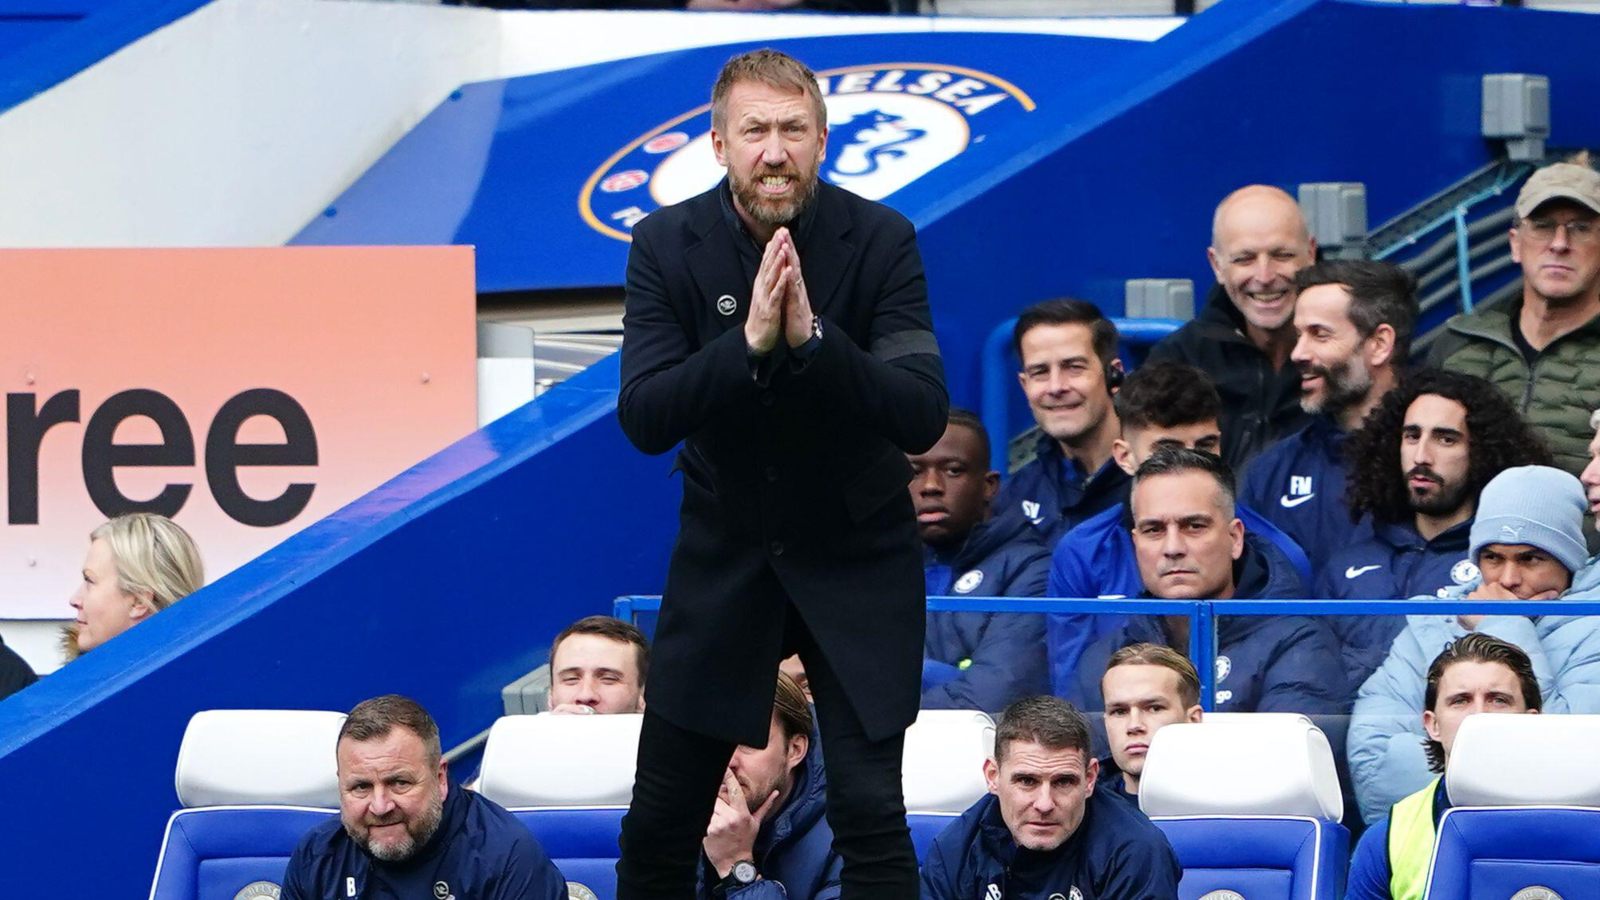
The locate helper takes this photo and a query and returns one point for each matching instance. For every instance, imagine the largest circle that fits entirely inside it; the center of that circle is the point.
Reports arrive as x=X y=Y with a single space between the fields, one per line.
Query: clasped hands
x=778 y=302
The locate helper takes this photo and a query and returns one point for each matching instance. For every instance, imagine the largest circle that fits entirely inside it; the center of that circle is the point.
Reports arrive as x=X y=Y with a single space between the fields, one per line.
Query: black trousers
x=679 y=771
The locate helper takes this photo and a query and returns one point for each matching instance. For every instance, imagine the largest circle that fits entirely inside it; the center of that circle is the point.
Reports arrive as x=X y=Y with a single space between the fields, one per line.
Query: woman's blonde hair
x=156 y=559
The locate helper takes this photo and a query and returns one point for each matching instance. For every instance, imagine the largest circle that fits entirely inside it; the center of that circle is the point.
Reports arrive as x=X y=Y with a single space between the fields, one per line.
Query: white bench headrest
x=943 y=764
x=561 y=760
x=256 y=757
x=1512 y=760
x=1274 y=765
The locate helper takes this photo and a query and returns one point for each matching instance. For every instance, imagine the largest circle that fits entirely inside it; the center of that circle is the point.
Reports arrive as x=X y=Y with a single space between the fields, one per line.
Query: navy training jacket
x=1298 y=484
x=1264 y=663
x=480 y=852
x=794 y=851
x=1097 y=559
x=1394 y=563
x=1116 y=854
x=1055 y=495
x=1000 y=657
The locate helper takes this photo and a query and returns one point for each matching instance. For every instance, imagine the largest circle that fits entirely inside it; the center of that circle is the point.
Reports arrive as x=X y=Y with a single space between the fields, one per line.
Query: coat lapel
x=828 y=252
x=713 y=262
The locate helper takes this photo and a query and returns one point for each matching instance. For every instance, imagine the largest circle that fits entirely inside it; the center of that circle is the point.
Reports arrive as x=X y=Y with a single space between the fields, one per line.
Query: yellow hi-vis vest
x=1411 y=834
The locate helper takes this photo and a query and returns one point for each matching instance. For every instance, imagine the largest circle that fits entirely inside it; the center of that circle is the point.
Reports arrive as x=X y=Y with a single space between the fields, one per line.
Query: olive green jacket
x=1556 y=397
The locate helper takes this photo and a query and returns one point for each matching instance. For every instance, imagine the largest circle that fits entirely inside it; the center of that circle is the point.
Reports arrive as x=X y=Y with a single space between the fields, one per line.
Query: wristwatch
x=816 y=328
x=743 y=873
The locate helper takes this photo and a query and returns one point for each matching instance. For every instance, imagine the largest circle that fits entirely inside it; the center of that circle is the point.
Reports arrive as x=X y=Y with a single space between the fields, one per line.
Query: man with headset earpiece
x=1070 y=372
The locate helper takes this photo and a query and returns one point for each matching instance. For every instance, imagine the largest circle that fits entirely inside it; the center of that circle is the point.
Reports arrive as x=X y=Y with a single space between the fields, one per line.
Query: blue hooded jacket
x=1394 y=563
x=794 y=849
x=1056 y=495
x=1116 y=854
x=1096 y=559
x=1298 y=484
x=1387 y=761
x=479 y=851
x=979 y=660
x=1264 y=663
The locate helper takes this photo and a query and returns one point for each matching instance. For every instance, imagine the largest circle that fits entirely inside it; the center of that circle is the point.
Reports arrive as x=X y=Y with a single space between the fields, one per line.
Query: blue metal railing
x=998 y=374
x=1203 y=614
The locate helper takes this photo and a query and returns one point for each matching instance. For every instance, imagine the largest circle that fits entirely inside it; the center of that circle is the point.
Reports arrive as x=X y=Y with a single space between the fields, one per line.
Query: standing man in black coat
x=797 y=393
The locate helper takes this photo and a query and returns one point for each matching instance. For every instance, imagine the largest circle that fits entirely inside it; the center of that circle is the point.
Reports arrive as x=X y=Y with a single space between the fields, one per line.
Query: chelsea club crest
x=888 y=125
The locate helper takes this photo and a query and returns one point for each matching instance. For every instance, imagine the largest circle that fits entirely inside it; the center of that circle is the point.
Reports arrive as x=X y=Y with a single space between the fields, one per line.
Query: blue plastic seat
x=1525 y=813
x=582 y=842
x=1251 y=804
x=252 y=782
x=216 y=853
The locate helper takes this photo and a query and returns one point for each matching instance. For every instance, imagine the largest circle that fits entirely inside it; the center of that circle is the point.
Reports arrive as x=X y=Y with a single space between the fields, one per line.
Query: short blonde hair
x=769 y=67
x=153 y=556
x=1147 y=654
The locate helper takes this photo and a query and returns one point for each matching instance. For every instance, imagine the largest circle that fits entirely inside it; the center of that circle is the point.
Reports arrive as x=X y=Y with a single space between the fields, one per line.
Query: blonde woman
x=137 y=565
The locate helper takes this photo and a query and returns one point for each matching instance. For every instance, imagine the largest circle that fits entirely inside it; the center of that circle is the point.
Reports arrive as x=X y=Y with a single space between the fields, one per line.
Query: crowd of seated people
x=1359 y=477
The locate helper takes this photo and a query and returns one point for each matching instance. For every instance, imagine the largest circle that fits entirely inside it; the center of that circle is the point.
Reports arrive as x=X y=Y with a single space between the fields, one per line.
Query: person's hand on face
x=767 y=298
x=732 y=833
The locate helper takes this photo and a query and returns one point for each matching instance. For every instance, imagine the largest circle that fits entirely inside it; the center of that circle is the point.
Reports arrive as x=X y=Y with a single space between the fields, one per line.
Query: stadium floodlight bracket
x=1516 y=110
x=1158 y=298
x=1336 y=214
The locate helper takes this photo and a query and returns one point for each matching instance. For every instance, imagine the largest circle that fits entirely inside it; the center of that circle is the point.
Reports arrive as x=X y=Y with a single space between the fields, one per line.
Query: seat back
x=582 y=842
x=560 y=761
x=942 y=770
x=255 y=782
x=569 y=779
x=1251 y=805
x=1525 y=820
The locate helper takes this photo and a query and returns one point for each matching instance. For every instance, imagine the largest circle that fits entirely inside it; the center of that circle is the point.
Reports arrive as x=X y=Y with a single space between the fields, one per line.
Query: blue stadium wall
x=449 y=581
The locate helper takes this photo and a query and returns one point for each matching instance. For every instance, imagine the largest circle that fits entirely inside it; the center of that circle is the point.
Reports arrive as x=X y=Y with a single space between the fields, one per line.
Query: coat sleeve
x=1169 y=349
x=295 y=886
x=1071 y=574
x=1305 y=675
x=1387 y=761
x=1143 y=871
x=1007 y=663
x=937 y=880
x=1521 y=631
x=1369 y=866
x=1254 y=491
x=669 y=388
x=528 y=874
x=1577 y=682
x=895 y=385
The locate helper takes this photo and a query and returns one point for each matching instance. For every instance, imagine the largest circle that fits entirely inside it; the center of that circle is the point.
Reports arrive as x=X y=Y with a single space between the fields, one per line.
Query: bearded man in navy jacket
x=769 y=838
x=976 y=660
x=1417 y=467
x=1353 y=322
x=406 y=830
x=1191 y=546
x=1043 y=830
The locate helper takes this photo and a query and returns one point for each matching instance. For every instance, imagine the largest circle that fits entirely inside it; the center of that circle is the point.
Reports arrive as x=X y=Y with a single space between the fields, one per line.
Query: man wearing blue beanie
x=1527 y=541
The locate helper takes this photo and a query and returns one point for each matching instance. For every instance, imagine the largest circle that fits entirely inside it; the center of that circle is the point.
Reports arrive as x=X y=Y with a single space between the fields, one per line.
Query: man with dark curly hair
x=1416 y=468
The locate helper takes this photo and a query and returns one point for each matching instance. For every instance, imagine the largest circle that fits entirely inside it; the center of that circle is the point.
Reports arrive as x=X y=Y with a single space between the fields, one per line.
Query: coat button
x=776 y=547
x=767 y=399
x=772 y=473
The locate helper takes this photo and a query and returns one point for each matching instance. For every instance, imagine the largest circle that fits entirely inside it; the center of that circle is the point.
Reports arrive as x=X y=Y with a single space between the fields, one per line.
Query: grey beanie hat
x=1535 y=505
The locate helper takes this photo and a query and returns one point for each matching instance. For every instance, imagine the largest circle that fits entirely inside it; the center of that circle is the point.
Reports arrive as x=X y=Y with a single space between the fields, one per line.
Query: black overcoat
x=795 y=481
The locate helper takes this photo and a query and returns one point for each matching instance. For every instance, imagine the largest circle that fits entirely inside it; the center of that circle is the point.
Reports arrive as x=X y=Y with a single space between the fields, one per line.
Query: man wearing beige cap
x=1544 y=350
